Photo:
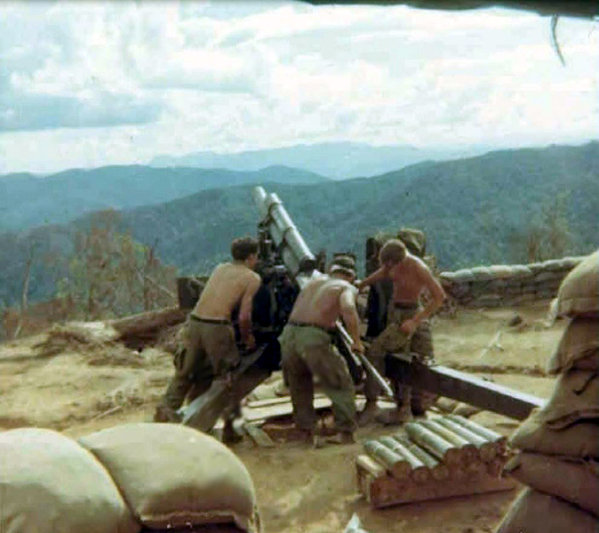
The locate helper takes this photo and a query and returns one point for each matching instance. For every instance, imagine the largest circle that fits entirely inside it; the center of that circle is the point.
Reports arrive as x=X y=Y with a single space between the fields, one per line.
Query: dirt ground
x=78 y=387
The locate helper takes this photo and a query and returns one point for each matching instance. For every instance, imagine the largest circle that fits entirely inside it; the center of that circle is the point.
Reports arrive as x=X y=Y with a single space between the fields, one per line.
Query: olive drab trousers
x=308 y=355
x=209 y=351
x=392 y=339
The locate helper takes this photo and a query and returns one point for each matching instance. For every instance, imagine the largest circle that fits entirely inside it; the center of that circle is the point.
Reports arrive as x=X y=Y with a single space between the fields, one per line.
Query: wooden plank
x=257 y=404
x=279 y=409
x=258 y=436
x=285 y=408
x=462 y=386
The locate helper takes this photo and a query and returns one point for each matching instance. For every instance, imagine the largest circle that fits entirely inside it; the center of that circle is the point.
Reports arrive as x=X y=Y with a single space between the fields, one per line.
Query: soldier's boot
x=166 y=410
x=368 y=414
x=230 y=436
x=311 y=438
x=403 y=413
x=164 y=413
x=343 y=437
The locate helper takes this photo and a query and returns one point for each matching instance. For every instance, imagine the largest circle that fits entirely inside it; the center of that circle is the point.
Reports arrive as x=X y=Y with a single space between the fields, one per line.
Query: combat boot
x=368 y=414
x=230 y=436
x=164 y=413
x=342 y=437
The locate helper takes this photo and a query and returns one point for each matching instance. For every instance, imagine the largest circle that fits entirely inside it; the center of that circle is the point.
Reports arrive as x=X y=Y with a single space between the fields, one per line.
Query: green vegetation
x=470 y=210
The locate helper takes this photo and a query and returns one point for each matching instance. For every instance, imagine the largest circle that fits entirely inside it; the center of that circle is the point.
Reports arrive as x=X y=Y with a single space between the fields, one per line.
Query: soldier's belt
x=330 y=331
x=211 y=320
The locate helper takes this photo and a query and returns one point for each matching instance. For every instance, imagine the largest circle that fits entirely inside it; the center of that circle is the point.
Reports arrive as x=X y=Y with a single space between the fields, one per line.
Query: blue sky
x=85 y=84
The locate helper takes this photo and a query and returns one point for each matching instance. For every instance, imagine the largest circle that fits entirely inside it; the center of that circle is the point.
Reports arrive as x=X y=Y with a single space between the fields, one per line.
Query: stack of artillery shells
x=425 y=462
x=559 y=443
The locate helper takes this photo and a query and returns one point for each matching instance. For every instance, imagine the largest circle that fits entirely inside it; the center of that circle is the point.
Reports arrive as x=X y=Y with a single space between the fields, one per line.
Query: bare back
x=224 y=290
x=319 y=302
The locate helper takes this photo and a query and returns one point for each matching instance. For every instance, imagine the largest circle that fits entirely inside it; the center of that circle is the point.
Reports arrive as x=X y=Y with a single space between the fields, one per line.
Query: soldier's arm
x=377 y=275
x=245 y=311
x=347 y=301
x=434 y=287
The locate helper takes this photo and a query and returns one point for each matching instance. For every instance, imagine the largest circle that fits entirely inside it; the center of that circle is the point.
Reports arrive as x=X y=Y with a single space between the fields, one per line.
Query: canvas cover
x=174 y=476
x=50 y=484
x=578 y=346
x=579 y=292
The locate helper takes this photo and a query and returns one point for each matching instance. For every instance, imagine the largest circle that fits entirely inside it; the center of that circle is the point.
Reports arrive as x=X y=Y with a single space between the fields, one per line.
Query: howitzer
x=278 y=228
x=286 y=265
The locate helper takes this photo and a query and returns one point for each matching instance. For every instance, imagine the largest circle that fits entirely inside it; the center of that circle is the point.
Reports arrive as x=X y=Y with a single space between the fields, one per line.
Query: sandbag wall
x=499 y=285
x=559 y=443
x=133 y=478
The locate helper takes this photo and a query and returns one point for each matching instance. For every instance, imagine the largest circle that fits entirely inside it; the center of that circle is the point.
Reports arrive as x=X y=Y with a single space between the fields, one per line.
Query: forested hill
x=474 y=211
x=471 y=209
x=27 y=201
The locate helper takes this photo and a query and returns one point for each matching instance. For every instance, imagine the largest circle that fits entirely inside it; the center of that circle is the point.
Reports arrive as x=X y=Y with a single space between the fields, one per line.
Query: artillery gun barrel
x=295 y=252
x=299 y=260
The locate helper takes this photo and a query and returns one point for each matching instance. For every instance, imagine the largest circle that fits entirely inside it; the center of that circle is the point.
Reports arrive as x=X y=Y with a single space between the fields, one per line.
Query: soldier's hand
x=409 y=326
x=250 y=342
x=359 y=286
x=358 y=347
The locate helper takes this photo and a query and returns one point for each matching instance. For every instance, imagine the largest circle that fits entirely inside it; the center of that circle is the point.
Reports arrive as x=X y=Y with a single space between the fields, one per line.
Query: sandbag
x=174 y=476
x=579 y=342
x=578 y=440
x=579 y=292
x=573 y=480
x=536 y=512
x=206 y=528
x=575 y=398
x=414 y=240
x=50 y=484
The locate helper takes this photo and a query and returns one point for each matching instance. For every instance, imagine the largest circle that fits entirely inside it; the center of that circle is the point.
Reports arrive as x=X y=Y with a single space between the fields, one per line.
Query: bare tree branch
x=24 y=292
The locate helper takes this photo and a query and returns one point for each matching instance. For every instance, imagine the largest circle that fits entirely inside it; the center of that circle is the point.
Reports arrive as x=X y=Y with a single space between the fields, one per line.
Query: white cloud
x=145 y=78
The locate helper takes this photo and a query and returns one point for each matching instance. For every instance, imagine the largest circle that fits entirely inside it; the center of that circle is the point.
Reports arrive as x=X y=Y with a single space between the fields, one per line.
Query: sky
x=89 y=83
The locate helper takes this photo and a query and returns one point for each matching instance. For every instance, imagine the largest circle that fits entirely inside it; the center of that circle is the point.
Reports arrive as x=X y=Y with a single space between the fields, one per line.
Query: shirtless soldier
x=307 y=352
x=407 y=324
x=210 y=350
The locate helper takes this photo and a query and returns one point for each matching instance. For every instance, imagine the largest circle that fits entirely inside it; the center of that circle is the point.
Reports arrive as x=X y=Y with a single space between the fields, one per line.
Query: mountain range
x=27 y=201
x=340 y=160
x=470 y=210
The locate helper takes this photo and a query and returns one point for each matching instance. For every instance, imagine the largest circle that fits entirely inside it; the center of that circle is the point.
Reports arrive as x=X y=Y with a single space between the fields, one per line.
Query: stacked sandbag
x=50 y=484
x=559 y=443
x=502 y=285
x=175 y=477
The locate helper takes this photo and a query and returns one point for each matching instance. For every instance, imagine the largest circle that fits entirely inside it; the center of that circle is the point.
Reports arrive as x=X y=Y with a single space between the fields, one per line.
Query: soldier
x=308 y=352
x=210 y=351
x=407 y=324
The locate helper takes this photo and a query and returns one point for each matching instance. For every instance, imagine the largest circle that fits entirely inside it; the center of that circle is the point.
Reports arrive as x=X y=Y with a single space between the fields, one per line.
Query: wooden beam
x=205 y=410
x=259 y=436
x=462 y=387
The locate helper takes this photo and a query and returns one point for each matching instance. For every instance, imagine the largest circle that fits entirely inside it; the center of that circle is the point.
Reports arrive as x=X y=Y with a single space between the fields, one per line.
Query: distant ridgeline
x=499 y=285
